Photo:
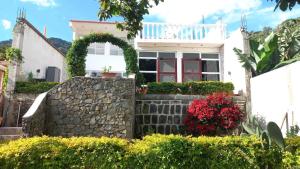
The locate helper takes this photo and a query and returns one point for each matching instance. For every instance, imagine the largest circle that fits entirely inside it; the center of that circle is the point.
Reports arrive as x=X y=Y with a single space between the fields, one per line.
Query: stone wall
x=91 y=107
x=164 y=113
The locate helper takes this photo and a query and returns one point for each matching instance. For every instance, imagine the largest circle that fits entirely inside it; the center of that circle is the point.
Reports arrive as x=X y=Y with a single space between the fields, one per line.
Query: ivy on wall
x=76 y=55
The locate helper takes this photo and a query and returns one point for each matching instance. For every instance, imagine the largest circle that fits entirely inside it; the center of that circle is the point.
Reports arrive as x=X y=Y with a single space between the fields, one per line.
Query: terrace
x=208 y=35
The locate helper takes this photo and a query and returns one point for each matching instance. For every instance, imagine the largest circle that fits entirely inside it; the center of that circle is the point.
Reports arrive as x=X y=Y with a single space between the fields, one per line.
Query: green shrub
x=291 y=157
x=34 y=87
x=197 y=88
x=153 y=152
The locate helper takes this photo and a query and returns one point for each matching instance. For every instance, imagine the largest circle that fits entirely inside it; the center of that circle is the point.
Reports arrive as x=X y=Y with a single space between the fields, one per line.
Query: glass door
x=191 y=70
x=167 y=69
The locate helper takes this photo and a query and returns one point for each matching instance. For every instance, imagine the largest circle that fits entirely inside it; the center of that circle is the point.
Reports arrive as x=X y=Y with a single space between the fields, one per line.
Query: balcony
x=180 y=33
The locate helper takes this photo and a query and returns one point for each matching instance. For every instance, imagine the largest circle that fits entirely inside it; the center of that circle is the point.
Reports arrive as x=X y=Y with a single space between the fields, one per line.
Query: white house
x=169 y=52
x=40 y=57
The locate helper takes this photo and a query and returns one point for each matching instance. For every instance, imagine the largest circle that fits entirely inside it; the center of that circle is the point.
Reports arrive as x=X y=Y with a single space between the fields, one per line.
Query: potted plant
x=106 y=72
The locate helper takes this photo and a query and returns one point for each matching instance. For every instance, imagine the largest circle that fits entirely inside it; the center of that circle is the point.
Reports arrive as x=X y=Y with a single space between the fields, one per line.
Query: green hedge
x=197 y=88
x=292 y=155
x=34 y=87
x=153 y=152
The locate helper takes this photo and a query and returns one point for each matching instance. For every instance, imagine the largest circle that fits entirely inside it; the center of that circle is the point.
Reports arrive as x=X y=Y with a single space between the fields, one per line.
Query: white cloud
x=192 y=11
x=6 y=24
x=43 y=3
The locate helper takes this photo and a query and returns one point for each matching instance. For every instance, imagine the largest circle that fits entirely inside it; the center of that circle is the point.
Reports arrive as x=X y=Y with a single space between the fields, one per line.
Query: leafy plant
x=294 y=130
x=30 y=77
x=152 y=152
x=216 y=112
x=106 y=69
x=289 y=39
x=269 y=135
x=13 y=54
x=189 y=88
x=262 y=58
x=34 y=87
x=78 y=51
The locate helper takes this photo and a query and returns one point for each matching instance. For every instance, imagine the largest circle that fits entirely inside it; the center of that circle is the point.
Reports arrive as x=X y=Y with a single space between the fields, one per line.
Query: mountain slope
x=62 y=45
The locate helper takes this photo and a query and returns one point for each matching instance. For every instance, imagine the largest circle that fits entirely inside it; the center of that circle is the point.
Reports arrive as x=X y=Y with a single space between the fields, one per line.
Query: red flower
x=216 y=111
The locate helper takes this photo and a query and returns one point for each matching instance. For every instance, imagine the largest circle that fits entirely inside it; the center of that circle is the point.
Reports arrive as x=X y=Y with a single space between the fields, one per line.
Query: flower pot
x=108 y=75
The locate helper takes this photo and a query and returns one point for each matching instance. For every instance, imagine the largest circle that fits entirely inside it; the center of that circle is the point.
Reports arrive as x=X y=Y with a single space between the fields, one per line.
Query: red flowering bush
x=217 y=111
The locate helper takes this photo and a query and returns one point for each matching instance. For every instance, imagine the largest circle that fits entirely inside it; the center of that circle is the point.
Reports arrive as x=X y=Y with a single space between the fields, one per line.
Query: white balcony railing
x=162 y=32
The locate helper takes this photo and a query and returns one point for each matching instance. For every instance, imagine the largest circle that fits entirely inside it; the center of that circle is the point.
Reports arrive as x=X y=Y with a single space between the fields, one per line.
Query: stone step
x=9 y=137
x=11 y=131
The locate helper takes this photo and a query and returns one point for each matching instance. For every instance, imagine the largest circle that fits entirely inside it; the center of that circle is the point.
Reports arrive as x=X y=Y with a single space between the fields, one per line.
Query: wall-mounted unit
x=52 y=74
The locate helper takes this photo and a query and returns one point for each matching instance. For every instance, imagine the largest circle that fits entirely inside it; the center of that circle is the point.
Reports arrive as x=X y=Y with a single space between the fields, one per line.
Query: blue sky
x=56 y=14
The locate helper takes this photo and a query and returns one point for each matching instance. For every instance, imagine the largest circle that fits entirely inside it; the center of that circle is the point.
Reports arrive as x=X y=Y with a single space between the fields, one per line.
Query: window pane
x=167 y=65
x=213 y=77
x=210 y=66
x=167 y=78
x=209 y=56
x=115 y=50
x=99 y=51
x=191 y=55
x=147 y=64
x=91 y=50
x=191 y=77
x=191 y=66
x=166 y=55
x=149 y=77
x=148 y=54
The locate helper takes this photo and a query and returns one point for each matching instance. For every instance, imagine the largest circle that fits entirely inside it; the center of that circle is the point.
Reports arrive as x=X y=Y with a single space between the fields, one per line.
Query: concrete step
x=10 y=137
x=11 y=131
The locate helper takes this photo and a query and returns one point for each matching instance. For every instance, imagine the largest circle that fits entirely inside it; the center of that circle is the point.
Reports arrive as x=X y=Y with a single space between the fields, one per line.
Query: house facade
x=169 y=52
x=40 y=58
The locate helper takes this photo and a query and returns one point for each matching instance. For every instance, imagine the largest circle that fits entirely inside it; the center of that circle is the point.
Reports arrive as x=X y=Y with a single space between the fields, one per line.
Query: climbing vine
x=76 y=55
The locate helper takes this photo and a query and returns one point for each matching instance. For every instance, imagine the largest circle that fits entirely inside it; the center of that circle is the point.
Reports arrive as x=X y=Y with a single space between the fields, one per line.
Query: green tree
x=286 y=4
x=263 y=57
x=3 y=52
x=133 y=11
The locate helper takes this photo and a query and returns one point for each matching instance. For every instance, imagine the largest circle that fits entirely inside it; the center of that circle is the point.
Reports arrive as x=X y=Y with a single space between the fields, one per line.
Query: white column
x=179 y=66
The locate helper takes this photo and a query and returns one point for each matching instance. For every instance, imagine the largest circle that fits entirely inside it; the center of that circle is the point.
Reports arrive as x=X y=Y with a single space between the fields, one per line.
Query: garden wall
x=18 y=102
x=275 y=93
x=165 y=113
x=91 y=107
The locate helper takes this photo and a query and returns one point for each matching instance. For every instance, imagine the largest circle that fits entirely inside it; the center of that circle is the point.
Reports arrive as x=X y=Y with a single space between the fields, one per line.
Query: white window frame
x=207 y=59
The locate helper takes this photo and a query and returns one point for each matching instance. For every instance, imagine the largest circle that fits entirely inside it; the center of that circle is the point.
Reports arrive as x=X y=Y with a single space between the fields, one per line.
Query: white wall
x=233 y=70
x=277 y=92
x=38 y=54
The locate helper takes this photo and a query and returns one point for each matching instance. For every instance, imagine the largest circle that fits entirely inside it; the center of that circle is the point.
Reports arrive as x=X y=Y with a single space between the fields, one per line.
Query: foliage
x=13 y=54
x=216 y=112
x=260 y=36
x=106 y=69
x=294 y=130
x=5 y=80
x=3 y=52
x=262 y=58
x=189 y=88
x=269 y=135
x=291 y=157
x=30 y=77
x=153 y=152
x=286 y=4
x=78 y=51
x=131 y=11
x=34 y=87
x=289 y=39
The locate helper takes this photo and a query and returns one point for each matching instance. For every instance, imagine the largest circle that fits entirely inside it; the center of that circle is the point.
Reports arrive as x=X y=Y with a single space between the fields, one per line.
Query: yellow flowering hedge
x=155 y=151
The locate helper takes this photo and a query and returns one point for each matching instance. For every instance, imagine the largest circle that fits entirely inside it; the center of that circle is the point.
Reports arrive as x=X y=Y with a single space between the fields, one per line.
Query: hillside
x=60 y=44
